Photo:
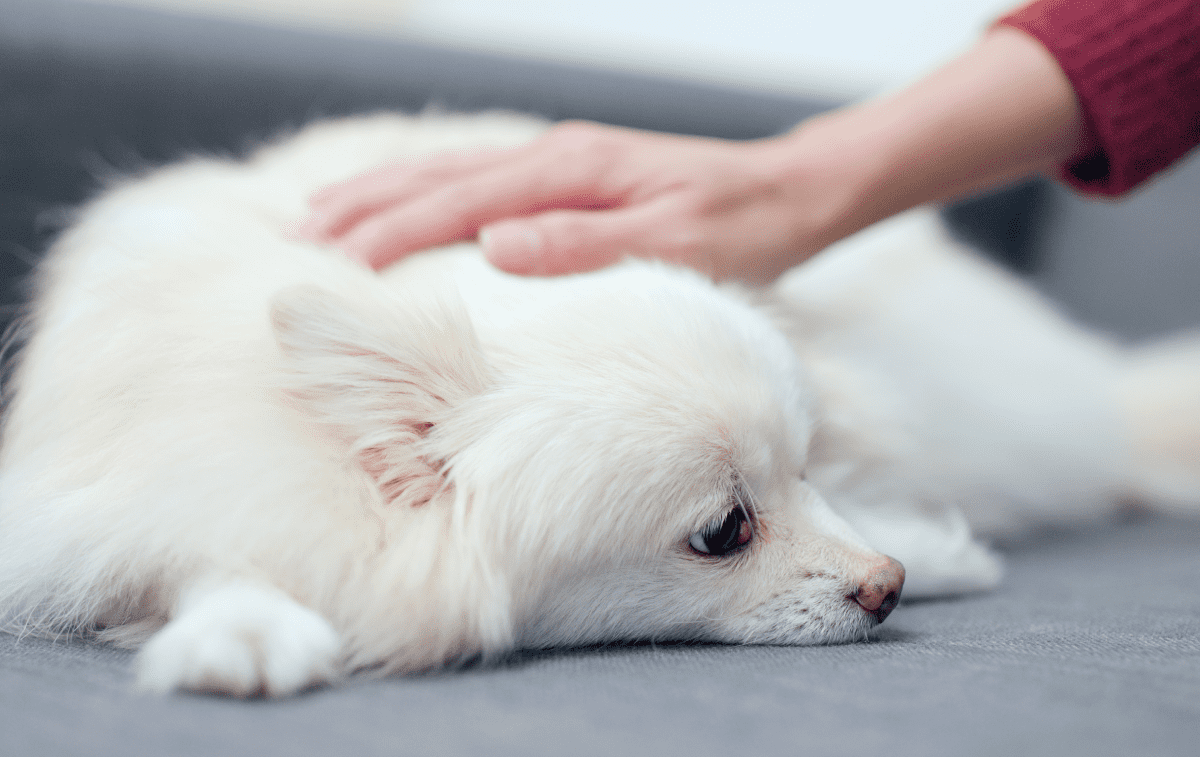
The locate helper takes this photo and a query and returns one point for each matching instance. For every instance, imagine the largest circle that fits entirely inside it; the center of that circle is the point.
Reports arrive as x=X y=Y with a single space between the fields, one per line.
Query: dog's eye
x=723 y=534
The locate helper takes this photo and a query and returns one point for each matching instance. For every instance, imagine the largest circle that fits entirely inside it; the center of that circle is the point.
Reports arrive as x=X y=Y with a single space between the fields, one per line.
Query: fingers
x=573 y=241
x=459 y=208
x=383 y=215
x=339 y=207
x=579 y=198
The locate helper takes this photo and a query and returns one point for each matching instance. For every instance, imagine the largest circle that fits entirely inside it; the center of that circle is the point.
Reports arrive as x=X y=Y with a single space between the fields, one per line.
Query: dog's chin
x=802 y=615
x=813 y=630
x=799 y=623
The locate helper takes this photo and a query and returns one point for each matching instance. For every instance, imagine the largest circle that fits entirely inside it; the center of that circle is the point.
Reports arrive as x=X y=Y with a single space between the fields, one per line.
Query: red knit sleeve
x=1135 y=67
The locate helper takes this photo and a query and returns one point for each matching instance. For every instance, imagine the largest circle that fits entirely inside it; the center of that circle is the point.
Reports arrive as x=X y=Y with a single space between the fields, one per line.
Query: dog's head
x=628 y=463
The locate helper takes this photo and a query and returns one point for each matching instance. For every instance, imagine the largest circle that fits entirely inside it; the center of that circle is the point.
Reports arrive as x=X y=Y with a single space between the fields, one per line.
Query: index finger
x=338 y=207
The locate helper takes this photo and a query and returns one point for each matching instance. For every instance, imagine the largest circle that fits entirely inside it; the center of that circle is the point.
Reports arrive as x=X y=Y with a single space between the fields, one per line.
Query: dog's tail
x=1160 y=393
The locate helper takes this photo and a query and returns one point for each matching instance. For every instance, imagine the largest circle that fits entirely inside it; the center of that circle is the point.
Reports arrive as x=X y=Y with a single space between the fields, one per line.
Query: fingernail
x=514 y=248
x=359 y=253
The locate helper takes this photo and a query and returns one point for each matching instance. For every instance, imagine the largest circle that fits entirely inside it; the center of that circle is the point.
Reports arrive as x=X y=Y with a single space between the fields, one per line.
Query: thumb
x=570 y=241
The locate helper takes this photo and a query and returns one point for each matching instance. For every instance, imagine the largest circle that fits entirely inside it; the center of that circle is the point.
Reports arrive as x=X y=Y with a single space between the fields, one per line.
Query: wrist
x=831 y=166
x=1001 y=112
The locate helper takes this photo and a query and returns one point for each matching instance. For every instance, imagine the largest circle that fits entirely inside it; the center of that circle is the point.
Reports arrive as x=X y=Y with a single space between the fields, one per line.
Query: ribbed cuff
x=1135 y=67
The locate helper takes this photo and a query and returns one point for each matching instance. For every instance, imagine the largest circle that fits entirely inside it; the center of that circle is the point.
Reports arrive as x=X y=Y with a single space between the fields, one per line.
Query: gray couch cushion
x=1091 y=647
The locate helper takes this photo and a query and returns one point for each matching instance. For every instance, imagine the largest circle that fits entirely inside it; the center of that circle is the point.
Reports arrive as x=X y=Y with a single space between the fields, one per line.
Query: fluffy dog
x=272 y=466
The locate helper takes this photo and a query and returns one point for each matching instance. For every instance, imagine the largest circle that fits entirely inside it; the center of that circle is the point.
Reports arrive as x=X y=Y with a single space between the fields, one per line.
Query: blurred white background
x=842 y=48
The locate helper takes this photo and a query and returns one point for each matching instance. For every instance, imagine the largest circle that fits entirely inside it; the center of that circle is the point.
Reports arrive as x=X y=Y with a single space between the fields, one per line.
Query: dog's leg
x=1159 y=394
x=932 y=540
x=239 y=637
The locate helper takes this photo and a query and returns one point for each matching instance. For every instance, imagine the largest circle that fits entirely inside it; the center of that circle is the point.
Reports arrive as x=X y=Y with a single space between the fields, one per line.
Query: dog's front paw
x=240 y=639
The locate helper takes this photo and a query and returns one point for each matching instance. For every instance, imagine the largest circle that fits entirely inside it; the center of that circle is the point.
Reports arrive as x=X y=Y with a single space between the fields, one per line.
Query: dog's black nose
x=879 y=593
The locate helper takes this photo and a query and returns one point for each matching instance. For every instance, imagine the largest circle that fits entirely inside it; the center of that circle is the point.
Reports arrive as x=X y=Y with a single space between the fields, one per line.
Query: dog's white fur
x=277 y=466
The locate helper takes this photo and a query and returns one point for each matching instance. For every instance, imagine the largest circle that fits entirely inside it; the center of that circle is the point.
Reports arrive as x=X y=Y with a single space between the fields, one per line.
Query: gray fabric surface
x=1091 y=647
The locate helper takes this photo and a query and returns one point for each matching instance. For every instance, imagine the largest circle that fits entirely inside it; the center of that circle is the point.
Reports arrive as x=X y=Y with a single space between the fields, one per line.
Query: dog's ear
x=381 y=374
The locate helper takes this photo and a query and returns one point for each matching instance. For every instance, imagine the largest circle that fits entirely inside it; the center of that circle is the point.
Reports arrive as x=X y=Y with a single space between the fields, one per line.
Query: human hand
x=584 y=196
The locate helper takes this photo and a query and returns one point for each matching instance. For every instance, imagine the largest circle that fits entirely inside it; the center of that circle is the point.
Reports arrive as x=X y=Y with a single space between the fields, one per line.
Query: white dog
x=274 y=466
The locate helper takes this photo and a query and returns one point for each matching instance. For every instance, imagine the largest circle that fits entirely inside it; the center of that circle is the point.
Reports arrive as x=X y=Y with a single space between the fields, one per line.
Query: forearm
x=1002 y=111
x=1135 y=69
